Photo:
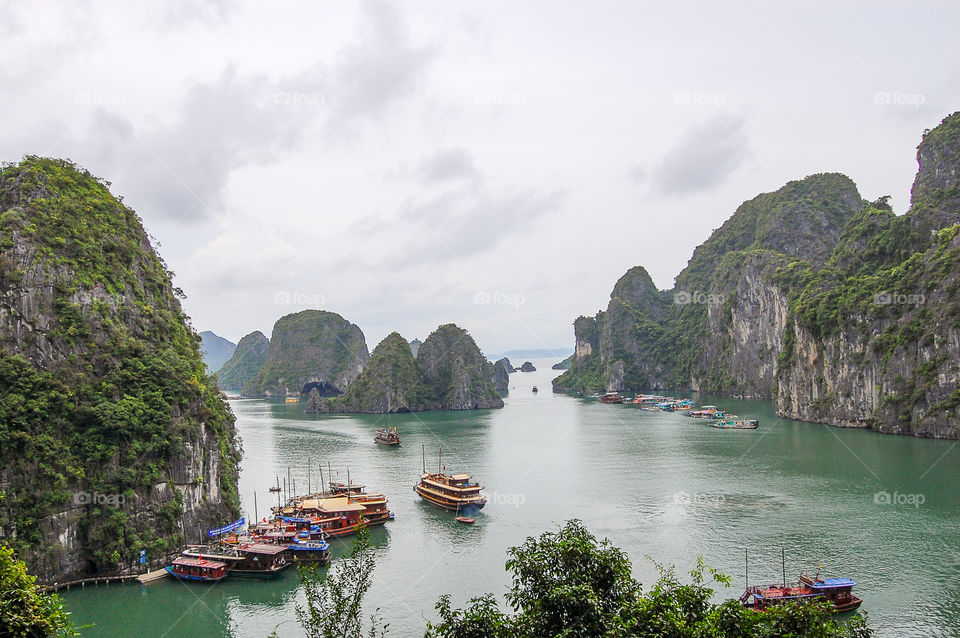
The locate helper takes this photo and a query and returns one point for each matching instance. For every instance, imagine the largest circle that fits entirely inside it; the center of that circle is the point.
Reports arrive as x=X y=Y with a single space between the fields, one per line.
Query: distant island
x=448 y=373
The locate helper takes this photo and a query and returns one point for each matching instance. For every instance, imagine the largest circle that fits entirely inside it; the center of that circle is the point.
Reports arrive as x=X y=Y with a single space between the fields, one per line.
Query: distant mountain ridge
x=215 y=350
x=534 y=353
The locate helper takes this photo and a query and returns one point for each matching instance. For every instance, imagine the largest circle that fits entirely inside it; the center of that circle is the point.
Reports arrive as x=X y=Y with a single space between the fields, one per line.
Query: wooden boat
x=386 y=436
x=309 y=551
x=611 y=397
x=293 y=400
x=247 y=559
x=466 y=519
x=535 y=389
x=736 y=424
x=706 y=412
x=837 y=591
x=449 y=491
x=198 y=570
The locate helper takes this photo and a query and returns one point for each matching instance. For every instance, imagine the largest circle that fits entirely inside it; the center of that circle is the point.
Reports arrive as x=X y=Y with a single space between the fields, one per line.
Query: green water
x=661 y=486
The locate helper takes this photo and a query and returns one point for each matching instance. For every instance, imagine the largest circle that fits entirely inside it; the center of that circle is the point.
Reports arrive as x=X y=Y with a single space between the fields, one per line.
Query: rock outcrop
x=501 y=375
x=449 y=373
x=309 y=349
x=563 y=365
x=457 y=373
x=527 y=367
x=113 y=437
x=415 y=346
x=216 y=350
x=248 y=358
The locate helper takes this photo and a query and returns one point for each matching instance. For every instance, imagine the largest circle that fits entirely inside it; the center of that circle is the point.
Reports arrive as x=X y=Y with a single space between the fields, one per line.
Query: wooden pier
x=83 y=582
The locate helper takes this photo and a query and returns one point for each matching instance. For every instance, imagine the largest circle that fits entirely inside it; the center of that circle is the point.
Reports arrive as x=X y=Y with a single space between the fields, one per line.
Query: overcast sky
x=494 y=164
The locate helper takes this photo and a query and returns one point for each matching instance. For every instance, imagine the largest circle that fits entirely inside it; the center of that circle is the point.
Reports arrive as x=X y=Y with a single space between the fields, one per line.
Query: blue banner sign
x=227 y=528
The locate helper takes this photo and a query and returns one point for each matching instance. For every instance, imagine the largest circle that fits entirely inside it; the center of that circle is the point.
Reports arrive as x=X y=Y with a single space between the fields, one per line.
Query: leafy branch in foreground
x=567 y=584
x=335 y=595
x=25 y=611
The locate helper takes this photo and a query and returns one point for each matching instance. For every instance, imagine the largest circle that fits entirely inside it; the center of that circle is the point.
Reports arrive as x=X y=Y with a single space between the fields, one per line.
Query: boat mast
x=440 y=461
x=423 y=459
x=746 y=568
x=256 y=515
x=783 y=566
x=320 y=467
x=309 y=490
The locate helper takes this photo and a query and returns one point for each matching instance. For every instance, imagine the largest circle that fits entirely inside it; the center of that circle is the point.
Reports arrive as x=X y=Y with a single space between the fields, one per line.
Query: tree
x=25 y=611
x=566 y=584
x=334 y=598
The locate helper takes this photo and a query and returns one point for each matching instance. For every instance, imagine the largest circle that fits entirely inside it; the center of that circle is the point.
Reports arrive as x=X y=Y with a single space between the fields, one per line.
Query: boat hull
x=256 y=574
x=192 y=579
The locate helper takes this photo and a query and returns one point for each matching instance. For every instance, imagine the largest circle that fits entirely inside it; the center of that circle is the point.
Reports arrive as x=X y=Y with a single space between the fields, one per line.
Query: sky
x=498 y=165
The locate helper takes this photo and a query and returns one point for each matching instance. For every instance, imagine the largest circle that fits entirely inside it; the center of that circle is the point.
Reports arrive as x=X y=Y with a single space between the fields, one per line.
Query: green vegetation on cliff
x=103 y=390
x=249 y=356
x=310 y=346
x=449 y=373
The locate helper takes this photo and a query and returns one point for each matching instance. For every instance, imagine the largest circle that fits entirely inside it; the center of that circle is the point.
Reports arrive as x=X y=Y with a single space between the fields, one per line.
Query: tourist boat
x=386 y=436
x=611 y=397
x=247 y=559
x=648 y=399
x=449 y=491
x=309 y=551
x=736 y=424
x=535 y=389
x=683 y=405
x=706 y=412
x=198 y=570
x=293 y=400
x=837 y=591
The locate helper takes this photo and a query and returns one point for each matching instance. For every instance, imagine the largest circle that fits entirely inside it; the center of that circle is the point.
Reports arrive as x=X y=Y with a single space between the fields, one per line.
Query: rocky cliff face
x=249 y=356
x=720 y=328
x=842 y=311
x=310 y=348
x=501 y=375
x=215 y=349
x=456 y=372
x=390 y=382
x=112 y=437
x=449 y=373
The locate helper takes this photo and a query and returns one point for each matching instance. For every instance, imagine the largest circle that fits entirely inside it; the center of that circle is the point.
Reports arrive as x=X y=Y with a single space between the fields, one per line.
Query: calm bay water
x=661 y=486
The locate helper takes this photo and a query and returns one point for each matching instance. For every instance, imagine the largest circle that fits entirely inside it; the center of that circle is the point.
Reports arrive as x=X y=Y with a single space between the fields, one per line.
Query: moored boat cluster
x=659 y=403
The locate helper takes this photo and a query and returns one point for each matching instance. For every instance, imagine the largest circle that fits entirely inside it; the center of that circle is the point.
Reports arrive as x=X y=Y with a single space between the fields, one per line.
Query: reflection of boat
x=386 y=436
x=611 y=397
x=197 y=569
x=449 y=491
